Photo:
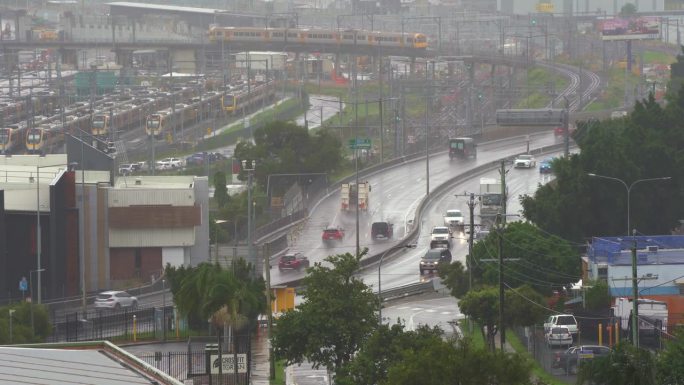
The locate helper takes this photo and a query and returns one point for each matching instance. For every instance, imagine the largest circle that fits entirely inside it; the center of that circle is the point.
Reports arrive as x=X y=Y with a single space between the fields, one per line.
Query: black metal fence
x=123 y=324
x=201 y=363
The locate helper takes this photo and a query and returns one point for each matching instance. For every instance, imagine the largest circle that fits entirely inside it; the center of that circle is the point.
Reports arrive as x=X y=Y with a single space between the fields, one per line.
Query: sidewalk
x=260 y=364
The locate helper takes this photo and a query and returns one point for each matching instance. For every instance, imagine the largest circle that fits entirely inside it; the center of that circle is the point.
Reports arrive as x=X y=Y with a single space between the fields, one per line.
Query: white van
x=566 y=320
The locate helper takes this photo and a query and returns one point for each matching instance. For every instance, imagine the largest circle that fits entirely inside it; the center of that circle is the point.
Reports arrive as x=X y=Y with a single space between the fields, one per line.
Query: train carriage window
x=291 y=34
x=409 y=39
x=361 y=37
x=277 y=34
x=348 y=37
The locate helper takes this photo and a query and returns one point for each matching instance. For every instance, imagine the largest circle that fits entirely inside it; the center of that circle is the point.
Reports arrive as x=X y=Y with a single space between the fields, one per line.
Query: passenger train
x=243 y=97
x=164 y=121
x=318 y=36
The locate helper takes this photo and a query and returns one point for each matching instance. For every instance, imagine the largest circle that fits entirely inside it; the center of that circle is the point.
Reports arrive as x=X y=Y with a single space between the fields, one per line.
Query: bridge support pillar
x=412 y=66
x=10 y=59
x=69 y=57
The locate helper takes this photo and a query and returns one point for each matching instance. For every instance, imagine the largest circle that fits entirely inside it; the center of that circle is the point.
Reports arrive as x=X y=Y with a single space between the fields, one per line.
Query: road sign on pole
x=360 y=144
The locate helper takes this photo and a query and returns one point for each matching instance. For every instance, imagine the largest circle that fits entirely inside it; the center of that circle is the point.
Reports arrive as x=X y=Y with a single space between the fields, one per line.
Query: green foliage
x=457 y=362
x=337 y=316
x=670 y=363
x=455 y=277
x=482 y=306
x=524 y=306
x=21 y=323
x=597 y=297
x=220 y=189
x=628 y=9
x=384 y=349
x=283 y=147
x=230 y=296
x=553 y=260
x=647 y=144
x=625 y=365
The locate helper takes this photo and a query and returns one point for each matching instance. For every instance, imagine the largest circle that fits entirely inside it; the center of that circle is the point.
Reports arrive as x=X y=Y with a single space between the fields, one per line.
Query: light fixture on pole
x=397 y=247
x=635 y=282
x=248 y=166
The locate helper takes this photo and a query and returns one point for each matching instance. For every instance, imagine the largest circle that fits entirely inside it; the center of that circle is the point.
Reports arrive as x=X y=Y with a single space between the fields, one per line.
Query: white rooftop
x=155 y=182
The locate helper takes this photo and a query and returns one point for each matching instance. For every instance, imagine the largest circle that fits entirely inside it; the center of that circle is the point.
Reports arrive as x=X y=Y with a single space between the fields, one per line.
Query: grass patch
x=655 y=57
x=541 y=84
x=537 y=370
x=279 y=373
x=475 y=336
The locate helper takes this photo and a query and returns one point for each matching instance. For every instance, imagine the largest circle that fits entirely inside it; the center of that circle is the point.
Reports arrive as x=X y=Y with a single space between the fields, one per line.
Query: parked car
x=440 y=236
x=115 y=300
x=545 y=166
x=567 y=320
x=293 y=261
x=453 y=218
x=332 y=234
x=558 y=336
x=127 y=169
x=382 y=231
x=169 y=164
x=196 y=159
x=570 y=359
x=524 y=161
x=434 y=258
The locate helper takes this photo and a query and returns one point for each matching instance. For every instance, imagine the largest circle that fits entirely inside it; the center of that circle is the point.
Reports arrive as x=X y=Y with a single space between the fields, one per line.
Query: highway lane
x=394 y=197
x=404 y=270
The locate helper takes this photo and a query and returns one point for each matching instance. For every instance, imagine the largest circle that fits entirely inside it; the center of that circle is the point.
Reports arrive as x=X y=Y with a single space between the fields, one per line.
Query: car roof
x=112 y=292
x=440 y=228
x=524 y=156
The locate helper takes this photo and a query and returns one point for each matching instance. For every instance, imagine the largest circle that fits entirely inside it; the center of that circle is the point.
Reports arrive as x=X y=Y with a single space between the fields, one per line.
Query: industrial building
x=94 y=233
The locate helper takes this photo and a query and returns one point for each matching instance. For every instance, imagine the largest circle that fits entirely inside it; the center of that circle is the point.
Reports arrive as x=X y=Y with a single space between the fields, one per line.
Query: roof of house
x=651 y=249
x=99 y=363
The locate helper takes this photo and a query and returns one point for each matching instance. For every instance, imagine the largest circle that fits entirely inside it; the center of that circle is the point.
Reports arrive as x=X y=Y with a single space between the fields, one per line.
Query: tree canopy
x=208 y=291
x=646 y=144
x=338 y=314
x=554 y=262
x=393 y=355
x=283 y=147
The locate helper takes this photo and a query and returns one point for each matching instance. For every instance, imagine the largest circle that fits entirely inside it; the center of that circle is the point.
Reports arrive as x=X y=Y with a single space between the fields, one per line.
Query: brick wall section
x=122 y=263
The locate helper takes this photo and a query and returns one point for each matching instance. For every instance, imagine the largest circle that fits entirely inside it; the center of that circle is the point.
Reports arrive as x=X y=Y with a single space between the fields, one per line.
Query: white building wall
x=151 y=197
x=173 y=256
x=151 y=237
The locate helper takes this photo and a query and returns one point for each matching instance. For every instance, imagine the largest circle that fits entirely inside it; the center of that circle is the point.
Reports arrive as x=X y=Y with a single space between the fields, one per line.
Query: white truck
x=491 y=199
x=652 y=314
x=355 y=196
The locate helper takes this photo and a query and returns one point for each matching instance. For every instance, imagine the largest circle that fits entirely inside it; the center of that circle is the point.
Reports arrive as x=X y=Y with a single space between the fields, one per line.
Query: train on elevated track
x=359 y=38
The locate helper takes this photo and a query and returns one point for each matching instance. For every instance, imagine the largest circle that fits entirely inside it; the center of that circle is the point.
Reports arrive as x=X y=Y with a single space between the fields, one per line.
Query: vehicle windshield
x=288 y=258
x=228 y=100
x=153 y=122
x=33 y=136
x=440 y=230
x=567 y=320
x=331 y=231
x=454 y=214
x=379 y=227
x=104 y=296
x=432 y=254
x=525 y=157
x=98 y=122
x=491 y=199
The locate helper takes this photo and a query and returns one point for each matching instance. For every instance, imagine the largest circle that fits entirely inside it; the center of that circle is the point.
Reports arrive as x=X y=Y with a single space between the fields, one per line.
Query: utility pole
x=472 y=202
x=635 y=293
x=502 y=327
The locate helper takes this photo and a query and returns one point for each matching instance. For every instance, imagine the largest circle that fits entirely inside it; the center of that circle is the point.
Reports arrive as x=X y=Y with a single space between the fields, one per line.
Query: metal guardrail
x=407 y=290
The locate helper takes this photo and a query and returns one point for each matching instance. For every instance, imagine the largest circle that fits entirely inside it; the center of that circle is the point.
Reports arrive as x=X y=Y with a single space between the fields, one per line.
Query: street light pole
x=397 y=247
x=217 y=222
x=635 y=282
x=248 y=165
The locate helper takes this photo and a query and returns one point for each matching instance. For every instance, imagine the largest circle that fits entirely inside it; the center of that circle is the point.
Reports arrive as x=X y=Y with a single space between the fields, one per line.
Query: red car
x=332 y=234
x=293 y=261
x=559 y=131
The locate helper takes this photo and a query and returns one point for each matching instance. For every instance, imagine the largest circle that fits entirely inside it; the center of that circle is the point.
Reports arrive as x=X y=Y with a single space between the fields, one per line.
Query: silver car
x=115 y=300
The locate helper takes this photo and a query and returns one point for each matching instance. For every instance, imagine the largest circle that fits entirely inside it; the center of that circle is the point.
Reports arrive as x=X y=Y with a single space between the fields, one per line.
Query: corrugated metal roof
x=56 y=366
x=93 y=176
x=21 y=189
x=151 y=237
x=160 y=7
x=151 y=197
x=155 y=182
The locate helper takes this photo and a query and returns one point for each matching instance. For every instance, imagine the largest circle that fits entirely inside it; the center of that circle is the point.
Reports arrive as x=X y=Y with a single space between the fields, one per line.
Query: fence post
x=135 y=331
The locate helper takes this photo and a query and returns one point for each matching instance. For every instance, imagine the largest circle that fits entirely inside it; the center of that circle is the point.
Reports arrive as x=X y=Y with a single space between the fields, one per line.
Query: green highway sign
x=360 y=144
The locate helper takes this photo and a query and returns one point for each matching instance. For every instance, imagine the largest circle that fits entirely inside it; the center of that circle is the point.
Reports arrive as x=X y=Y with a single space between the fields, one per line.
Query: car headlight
x=423 y=263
